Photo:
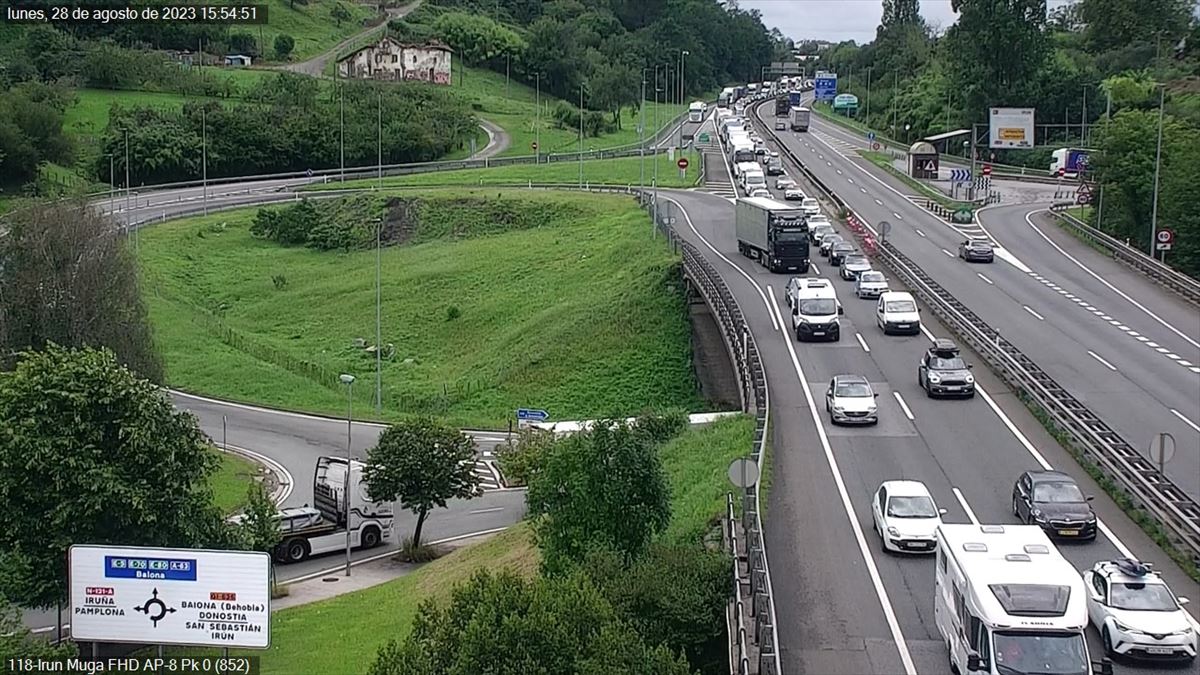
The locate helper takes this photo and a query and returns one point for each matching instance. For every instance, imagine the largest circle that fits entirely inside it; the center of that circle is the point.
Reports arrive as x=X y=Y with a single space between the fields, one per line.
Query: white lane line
x=1183 y=362
x=839 y=172
x=1039 y=317
x=1108 y=365
x=948 y=253
x=903 y=406
x=897 y=215
x=879 y=202
x=1114 y=289
x=862 y=342
x=850 y=180
x=1151 y=343
x=1162 y=350
x=814 y=268
x=1174 y=357
x=880 y=591
x=1185 y=420
x=989 y=281
x=962 y=501
x=732 y=264
x=828 y=163
x=1194 y=369
x=920 y=233
x=862 y=190
x=491 y=510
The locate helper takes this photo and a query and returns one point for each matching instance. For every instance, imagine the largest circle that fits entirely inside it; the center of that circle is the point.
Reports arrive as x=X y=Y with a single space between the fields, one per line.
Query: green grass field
x=311 y=25
x=354 y=626
x=581 y=316
x=231 y=481
x=1081 y=212
x=620 y=171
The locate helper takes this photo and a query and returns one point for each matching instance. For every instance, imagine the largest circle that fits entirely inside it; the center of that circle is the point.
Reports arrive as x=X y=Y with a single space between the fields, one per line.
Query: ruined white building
x=389 y=59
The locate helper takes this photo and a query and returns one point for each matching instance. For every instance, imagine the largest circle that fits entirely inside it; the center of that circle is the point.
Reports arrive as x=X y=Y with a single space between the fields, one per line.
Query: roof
x=1048 y=476
x=896 y=295
x=905 y=488
x=765 y=203
x=948 y=135
x=432 y=44
x=850 y=377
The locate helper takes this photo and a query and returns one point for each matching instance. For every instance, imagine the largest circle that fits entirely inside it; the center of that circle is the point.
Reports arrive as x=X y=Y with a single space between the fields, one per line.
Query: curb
x=283 y=479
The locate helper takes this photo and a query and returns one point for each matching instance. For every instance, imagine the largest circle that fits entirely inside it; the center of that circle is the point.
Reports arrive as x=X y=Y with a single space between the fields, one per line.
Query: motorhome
x=1006 y=602
x=696 y=111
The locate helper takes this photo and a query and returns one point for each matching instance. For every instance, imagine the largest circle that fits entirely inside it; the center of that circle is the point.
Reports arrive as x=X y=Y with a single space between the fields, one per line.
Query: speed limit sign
x=1163 y=240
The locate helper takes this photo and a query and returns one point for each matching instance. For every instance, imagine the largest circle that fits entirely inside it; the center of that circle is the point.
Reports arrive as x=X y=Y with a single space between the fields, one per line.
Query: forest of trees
x=1092 y=70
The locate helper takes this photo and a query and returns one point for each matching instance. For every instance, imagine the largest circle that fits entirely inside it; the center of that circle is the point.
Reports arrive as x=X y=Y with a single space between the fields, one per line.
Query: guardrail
x=1179 y=283
x=739 y=653
x=1176 y=513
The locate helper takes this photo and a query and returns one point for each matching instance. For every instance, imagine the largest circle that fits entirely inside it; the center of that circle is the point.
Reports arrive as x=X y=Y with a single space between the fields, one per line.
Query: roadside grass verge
x=231 y=481
x=884 y=162
x=696 y=463
x=583 y=314
x=619 y=171
x=1083 y=213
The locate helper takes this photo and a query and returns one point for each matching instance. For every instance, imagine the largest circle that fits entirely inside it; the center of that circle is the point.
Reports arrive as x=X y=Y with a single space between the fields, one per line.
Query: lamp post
x=379 y=132
x=867 y=114
x=204 y=152
x=1162 y=93
x=537 y=119
x=127 y=229
x=580 y=135
x=342 y=130
x=112 y=186
x=642 y=136
x=378 y=320
x=348 y=380
x=654 y=180
x=682 y=53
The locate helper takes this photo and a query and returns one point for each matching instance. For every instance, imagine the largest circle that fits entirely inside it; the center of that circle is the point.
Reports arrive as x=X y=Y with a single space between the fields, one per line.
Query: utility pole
x=895 y=96
x=642 y=136
x=1083 y=121
x=378 y=320
x=379 y=131
x=204 y=152
x=112 y=185
x=580 y=135
x=507 y=64
x=1162 y=93
x=537 y=117
x=342 y=128
x=867 y=114
x=655 y=179
x=127 y=182
x=682 y=54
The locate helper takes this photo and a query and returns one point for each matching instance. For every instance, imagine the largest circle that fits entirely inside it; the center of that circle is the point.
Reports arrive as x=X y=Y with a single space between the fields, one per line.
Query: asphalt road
x=843 y=605
x=1126 y=348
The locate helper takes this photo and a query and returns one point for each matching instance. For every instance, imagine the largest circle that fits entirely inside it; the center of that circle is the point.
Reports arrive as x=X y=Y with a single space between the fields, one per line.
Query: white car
x=818 y=219
x=850 y=400
x=784 y=183
x=870 y=284
x=760 y=192
x=1136 y=613
x=810 y=206
x=905 y=517
x=793 y=194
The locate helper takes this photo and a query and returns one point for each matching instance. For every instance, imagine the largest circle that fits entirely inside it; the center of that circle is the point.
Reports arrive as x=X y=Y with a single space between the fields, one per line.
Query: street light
x=682 y=53
x=204 y=152
x=581 y=135
x=348 y=380
x=642 y=135
x=378 y=321
x=537 y=119
x=1162 y=92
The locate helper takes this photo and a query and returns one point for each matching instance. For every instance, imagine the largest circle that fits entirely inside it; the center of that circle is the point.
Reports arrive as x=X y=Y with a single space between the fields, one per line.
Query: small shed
x=923 y=161
x=237 y=60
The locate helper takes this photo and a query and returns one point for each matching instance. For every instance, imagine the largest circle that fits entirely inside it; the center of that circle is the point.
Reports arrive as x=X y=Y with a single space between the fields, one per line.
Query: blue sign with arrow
x=871 y=136
x=532 y=415
x=825 y=88
x=960 y=175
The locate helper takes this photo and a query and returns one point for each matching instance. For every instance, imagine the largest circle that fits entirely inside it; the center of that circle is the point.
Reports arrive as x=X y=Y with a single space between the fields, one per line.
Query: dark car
x=1053 y=501
x=976 y=250
x=943 y=372
x=780 y=125
x=828 y=241
x=839 y=251
x=853 y=264
x=817 y=232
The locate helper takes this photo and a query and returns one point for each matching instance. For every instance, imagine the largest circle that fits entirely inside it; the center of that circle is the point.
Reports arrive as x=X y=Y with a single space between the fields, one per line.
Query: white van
x=753 y=179
x=897 y=312
x=815 y=309
x=742 y=167
x=810 y=206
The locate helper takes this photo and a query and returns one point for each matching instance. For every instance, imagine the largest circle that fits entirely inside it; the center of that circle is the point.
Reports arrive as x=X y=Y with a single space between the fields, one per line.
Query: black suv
x=1053 y=501
x=943 y=372
x=976 y=250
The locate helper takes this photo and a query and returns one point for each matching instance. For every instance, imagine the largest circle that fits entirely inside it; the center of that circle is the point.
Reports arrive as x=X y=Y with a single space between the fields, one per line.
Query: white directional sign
x=1011 y=128
x=164 y=596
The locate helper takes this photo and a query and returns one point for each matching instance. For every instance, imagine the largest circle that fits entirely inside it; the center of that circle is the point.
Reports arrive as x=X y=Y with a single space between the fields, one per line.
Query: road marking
x=920 y=233
x=850 y=180
x=1161 y=350
x=1039 y=316
x=863 y=190
x=897 y=215
x=1102 y=280
x=491 y=510
x=828 y=163
x=1182 y=362
x=903 y=406
x=962 y=501
x=1174 y=357
x=1185 y=420
x=1151 y=343
x=814 y=268
x=1096 y=356
x=839 y=172
x=880 y=591
x=948 y=253
x=862 y=342
x=989 y=281
x=879 y=202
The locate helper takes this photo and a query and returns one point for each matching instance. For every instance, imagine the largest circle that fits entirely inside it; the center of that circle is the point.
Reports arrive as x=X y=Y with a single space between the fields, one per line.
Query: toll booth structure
x=923 y=161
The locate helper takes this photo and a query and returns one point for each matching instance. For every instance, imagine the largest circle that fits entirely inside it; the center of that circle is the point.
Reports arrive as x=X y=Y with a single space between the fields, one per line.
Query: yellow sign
x=1012 y=133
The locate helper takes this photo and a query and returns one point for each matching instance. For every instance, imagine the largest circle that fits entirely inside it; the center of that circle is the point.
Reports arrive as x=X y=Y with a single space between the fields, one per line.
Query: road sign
x=532 y=414
x=1163 y=239
x=743 y=472
x=885 y=228
x=930 y=165
x=533 y=145
x=987 y=169
x=960 y=175
x=1062 y=171
x=682 y=163
x=1083 y=199
x=170 y=596
x=871 y=136
x=309 y=173
x=704 y=137
x=874 y=146
x=1160 y=450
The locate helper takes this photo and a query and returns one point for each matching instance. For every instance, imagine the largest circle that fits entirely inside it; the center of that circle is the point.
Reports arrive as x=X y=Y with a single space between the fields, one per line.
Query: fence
x=1181 y=284
x=1174 y=511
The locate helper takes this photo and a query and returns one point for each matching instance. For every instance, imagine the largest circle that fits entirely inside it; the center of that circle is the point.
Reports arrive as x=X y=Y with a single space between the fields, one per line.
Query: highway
x=1126 y=348
x=844 y=607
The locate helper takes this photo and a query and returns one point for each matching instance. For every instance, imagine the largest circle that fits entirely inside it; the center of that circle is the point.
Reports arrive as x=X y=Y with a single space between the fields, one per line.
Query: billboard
x=845 y=101
x=164 y=596
x=1011 y=128
x=825 y=86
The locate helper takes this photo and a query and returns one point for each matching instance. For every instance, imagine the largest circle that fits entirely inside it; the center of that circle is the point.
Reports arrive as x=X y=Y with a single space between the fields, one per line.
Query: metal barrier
x=739 y=655
x=1181 y=284
x=1174 y=511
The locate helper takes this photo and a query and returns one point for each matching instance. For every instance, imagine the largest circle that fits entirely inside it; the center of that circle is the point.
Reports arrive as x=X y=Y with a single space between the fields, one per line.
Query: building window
x=395 y=58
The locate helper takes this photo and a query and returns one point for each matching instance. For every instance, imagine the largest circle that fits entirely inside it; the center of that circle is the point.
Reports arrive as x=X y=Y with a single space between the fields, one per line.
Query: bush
x=453 y=312
x=521 y=457
x=284 y=44
x=662 y=427
x=566 y=116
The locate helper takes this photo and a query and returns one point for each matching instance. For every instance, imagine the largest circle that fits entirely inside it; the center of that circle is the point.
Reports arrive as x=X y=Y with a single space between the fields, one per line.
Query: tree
x=900 y=13
x=284 y=44
x=1113 y=24
x=67 y=277
x=605 y=487
x=340 y=13
x=90 y=453
x=505 y=624
x=259 y=528
x=422 y=463
x=985 y=29
x=16 y=642
x=613 y=87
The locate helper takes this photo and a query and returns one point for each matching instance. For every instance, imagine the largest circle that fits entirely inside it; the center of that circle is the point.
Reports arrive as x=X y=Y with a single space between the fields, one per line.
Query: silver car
x=853 y=265
x=784 y=183
x=818 y=232
x=870 y=284
x=828 y=241
x=850 y=400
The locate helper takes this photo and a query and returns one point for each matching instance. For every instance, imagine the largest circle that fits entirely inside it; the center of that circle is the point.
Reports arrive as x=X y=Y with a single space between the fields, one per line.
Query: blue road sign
x=960 y=175
x=825 y=88
x=871 y=136
x=532 y=415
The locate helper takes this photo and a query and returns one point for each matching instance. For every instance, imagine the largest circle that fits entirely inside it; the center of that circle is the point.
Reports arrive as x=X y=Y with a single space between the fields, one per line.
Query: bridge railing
x=1179 y=283
x=1174 y=511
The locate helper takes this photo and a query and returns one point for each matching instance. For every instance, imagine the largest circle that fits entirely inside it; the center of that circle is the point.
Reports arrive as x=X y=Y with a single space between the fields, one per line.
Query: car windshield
x=1142 y=597
x=1040 y=654
x=979 y=244
x=899 y=306
x=871 y=276
x=911 y=507
x=852 y=390
x=832 y=239
x=818 y=307
x=843 y=247
x=1060 y=492
x=852 y=260
x=955 y=363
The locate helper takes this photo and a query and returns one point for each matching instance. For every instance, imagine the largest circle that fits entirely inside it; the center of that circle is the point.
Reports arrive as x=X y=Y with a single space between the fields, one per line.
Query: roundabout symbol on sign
x=160 y=609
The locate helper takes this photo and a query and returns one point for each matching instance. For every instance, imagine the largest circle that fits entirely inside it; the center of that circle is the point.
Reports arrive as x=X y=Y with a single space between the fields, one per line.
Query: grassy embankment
x=231 y=481
x=580 y=313
x=884 y=161
x=620 y=171
x=354 y=626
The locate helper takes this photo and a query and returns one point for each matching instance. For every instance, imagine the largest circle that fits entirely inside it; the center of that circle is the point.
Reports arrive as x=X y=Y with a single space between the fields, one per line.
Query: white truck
x=800 y=117
x=321 y=528
x=741 y=149
x=772 y=232
x=696 y=111
x=726 y=97
x=1007 y=602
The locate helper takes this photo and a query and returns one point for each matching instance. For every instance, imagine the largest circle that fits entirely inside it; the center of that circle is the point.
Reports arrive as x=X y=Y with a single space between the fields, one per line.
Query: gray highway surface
x=843 y=605
x=1125 y=347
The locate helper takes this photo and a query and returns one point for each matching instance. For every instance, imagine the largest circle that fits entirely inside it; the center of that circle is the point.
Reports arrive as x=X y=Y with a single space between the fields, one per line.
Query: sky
x=838 y=20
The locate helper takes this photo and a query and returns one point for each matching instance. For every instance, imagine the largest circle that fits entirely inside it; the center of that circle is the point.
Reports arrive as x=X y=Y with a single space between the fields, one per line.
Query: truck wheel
x=295 y=550
x=370 y=537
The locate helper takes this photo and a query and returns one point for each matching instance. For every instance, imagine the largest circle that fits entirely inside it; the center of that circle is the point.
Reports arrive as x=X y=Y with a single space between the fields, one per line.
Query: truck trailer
x=774 y=233
x=800 y=118
x=1071 y=161
x=793 y=99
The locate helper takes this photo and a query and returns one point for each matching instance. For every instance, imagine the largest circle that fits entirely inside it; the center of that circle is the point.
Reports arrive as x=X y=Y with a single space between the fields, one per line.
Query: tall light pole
x=580 y=135
x=378 y=319
x=1162 y=93
x=682 y=53
x=867 y=114
x=507 y=64
x=348 y=380
x=379 y=131
x=342 y=129
x=655 y=153
x=537 y=117
x=204 y=152
x=642 y=136
x=127 y=228
x=112 y=185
